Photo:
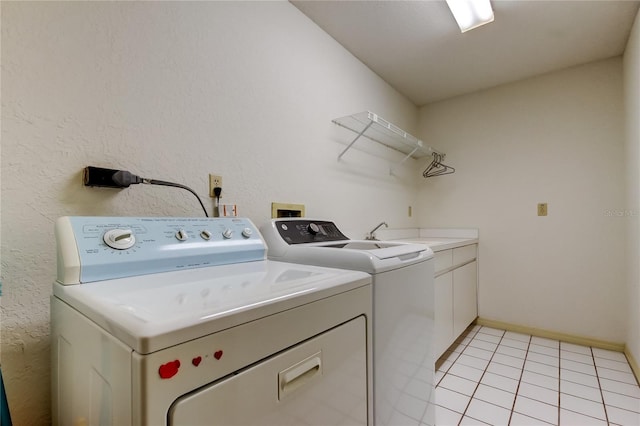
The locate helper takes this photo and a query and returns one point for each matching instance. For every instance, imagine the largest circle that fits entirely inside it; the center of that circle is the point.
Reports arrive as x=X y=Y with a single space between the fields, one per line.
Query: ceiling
x=417 y=47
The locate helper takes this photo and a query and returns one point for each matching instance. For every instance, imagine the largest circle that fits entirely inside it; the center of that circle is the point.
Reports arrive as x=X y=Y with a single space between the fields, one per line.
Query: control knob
x=181 y=235
x=246 y=232
x=227 y=233
x=119 y=239
x=313 y=228
x=205 y=234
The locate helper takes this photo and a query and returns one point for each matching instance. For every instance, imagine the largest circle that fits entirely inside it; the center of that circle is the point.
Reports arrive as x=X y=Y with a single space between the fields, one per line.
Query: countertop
x=438 y=239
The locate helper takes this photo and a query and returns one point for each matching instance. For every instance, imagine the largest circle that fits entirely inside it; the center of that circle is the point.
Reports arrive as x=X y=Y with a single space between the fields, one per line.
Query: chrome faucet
x=371 y=234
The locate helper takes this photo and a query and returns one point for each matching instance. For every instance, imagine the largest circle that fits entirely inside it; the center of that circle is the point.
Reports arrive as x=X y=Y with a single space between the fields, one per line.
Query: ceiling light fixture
x=471 y=14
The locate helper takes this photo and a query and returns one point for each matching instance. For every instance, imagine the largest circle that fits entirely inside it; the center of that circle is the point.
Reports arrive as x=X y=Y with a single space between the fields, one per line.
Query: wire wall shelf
x=375 y=128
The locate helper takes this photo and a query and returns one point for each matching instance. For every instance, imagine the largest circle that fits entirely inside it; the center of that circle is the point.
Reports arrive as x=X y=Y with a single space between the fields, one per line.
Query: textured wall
x=557 y=138
x=632 y=157
x=173 y=91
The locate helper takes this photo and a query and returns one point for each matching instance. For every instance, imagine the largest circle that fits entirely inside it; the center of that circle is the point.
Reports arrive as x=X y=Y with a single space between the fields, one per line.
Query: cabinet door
x=465 y=297
x=443 y=314
x=443 y=260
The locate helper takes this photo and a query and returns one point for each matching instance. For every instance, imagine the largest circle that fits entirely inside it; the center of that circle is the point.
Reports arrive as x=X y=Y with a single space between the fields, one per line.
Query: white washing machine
x=183 y=321
x=403 y=311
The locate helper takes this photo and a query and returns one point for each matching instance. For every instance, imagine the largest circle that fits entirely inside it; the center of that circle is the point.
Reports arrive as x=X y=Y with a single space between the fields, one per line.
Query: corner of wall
x=631 y=70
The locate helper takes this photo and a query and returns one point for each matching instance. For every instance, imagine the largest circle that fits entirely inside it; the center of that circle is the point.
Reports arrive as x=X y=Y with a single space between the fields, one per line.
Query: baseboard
x=633 y=363
x=569 y=338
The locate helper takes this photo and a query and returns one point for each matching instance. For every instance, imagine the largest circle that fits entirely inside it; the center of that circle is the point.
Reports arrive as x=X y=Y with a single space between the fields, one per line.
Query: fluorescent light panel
x=471 y=14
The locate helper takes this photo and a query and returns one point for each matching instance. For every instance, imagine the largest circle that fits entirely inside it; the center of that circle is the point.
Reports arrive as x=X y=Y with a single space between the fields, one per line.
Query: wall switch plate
x=215 y=181
x=542 y=209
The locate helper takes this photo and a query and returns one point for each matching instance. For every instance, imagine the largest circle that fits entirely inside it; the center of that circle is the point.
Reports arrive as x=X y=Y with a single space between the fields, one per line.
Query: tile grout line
x=595 y=367
x=513 y=406
x=477 y=384
x=483 y=373
x=454 y=361
x=559 y=378
x=616 y=391
x=462 y=352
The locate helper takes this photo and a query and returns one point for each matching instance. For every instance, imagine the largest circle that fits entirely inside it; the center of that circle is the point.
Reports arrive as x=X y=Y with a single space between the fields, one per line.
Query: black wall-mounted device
x=97 y=176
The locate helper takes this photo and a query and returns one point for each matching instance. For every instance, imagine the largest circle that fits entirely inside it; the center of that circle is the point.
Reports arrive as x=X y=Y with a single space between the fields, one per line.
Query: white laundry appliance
x=183 y=321
x=403 y=311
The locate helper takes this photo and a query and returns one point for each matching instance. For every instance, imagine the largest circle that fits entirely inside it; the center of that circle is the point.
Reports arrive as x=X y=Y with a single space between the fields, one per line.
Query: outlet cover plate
x=542 y=209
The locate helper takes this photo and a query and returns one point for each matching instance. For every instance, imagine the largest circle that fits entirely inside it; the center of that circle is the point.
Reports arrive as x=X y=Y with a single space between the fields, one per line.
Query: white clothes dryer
x=403 y=310
x=183 y=321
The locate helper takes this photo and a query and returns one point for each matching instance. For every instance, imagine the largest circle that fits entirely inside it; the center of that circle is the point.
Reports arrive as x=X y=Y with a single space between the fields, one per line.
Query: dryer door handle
x=299 y=374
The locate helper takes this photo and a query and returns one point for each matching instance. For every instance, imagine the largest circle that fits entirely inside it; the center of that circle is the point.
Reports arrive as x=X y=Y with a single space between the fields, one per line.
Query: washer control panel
x=99 y=248
x=301 y=231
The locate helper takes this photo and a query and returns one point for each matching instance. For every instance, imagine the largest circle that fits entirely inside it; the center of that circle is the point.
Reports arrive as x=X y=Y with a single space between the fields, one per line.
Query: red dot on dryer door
x=168 y=370
x=217 y=354
x=196 y=361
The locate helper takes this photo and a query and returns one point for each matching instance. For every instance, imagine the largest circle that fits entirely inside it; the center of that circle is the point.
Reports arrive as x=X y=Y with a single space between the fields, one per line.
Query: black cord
x=97 y=176
x=216 y=204
x=175 y=185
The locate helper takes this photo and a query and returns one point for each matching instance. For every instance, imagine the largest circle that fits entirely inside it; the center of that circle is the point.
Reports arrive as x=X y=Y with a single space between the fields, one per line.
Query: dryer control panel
x=302 y=231
x=99 y=248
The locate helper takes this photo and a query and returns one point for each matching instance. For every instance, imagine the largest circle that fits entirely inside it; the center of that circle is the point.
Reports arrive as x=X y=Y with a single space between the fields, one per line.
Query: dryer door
x=320 y=381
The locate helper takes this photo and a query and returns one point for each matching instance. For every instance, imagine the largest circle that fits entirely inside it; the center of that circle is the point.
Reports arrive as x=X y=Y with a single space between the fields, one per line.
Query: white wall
x=173 y=91
x=632 y=156
x=557 y=139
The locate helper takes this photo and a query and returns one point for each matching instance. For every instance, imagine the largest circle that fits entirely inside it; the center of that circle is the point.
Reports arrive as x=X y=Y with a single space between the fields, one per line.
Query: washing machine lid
x=152 y=312
x=378 y=249
x=355 y=255
x=320 y=242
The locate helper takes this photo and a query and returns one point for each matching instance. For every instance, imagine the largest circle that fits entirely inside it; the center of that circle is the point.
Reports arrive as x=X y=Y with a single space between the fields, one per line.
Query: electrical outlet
x=542 y=209
x=215 y=181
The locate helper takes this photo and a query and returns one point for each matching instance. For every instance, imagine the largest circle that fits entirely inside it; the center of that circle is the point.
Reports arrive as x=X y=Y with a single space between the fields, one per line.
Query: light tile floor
x=498 y=377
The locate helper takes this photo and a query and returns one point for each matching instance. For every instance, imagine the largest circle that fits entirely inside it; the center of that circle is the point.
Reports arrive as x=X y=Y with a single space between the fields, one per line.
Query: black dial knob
x=313 y=228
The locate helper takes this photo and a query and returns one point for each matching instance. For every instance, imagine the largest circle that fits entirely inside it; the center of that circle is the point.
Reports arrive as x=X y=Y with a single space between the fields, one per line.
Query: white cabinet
x=465 y=297
x=456 y=298
x=443 y=313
